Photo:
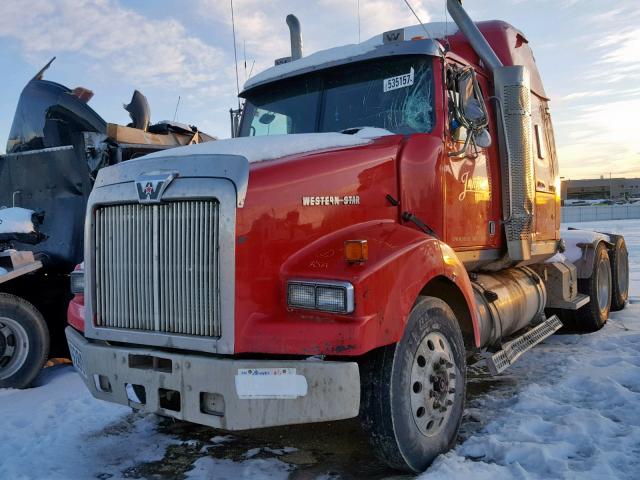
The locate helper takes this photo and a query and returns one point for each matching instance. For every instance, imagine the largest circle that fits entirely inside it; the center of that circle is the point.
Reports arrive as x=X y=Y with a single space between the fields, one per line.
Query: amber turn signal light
x=356 y=251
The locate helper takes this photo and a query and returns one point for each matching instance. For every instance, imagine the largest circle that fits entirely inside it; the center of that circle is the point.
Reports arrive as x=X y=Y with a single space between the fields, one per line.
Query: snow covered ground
x=569 y=409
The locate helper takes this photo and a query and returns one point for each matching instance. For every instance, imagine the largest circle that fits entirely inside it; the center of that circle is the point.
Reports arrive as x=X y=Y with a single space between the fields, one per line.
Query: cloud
x=112 y=38
x=260 y=25
x=377 y=16
x=599 y=139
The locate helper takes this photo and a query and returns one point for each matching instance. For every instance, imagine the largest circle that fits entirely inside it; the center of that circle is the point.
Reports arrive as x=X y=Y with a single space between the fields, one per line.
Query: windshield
x=391 y=93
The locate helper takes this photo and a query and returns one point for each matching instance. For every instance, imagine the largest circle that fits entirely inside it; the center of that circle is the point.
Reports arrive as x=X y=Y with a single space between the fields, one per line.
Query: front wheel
x=413 y=392
x=24 y=342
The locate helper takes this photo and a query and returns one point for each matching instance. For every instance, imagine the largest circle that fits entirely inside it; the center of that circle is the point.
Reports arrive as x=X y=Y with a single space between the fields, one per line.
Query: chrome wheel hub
x=14 y=347
x=433 y=379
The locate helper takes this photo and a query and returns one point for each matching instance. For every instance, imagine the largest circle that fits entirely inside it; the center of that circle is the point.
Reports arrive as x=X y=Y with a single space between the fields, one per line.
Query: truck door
x=470 y=221
x=547 y=221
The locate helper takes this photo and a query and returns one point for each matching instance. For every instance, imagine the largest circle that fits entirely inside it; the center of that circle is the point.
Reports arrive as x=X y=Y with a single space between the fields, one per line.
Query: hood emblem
x=151 y=186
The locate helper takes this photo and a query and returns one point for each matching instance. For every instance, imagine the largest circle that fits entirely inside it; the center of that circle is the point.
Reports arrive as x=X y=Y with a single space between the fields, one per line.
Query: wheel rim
x=14 y=347
x=604 y=284
x=433 y=375
x=623 y=271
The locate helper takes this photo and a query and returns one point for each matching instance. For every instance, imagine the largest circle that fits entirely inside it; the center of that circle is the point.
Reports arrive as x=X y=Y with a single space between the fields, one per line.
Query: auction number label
x=399 y=81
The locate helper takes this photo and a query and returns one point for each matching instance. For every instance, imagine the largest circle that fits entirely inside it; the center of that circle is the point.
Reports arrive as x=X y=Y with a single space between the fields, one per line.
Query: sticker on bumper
x=266 y=383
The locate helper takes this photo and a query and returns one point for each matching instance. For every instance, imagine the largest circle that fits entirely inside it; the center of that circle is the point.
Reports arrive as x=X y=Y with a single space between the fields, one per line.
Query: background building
x=600 y=188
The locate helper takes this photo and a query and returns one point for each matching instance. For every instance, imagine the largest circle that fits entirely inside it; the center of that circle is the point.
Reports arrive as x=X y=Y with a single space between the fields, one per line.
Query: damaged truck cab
x=387 y=210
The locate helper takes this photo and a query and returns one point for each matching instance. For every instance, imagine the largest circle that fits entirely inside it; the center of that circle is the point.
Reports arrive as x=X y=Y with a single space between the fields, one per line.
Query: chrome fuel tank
x=507 y=301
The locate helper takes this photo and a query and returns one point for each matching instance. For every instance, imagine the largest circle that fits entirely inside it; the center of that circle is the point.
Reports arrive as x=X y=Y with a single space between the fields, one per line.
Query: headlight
x=322 y=295
x=77 y=282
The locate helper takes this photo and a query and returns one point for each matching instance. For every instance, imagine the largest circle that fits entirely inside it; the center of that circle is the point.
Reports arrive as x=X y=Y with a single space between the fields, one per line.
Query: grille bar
x=157 y=267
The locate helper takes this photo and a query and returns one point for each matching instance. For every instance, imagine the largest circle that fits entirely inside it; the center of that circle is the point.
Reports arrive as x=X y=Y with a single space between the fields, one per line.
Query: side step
x=580 y=301
x=512 y=350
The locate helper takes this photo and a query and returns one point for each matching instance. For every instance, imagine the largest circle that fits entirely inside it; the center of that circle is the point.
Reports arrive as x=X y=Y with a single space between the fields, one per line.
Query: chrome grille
x=156 y=267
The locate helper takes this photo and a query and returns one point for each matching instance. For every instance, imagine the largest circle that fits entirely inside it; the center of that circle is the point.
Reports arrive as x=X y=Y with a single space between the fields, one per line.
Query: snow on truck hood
x=258 y=149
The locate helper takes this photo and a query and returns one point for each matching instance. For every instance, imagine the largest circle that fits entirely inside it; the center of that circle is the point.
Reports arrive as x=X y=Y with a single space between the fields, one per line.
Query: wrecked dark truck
x=56 y=146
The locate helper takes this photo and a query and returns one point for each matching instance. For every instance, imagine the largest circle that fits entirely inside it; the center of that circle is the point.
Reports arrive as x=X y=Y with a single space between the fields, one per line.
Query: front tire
x=413 y=392
x=24 y=342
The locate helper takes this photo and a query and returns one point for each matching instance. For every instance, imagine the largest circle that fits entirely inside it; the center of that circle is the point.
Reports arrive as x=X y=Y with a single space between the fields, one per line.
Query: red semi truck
x=388 y=210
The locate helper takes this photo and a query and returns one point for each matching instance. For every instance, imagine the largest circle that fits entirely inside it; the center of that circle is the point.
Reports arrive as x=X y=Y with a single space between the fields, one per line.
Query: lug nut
x=452 y=390
x=449 y=403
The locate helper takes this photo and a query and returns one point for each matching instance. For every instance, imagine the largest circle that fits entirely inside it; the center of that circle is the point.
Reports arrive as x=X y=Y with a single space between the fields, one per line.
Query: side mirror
x=469 y=112
x=473 y=110
x=267 y=118
x=483 y=139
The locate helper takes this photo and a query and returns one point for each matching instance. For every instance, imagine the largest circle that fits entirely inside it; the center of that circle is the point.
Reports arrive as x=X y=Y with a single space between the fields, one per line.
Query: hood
x=259 y=149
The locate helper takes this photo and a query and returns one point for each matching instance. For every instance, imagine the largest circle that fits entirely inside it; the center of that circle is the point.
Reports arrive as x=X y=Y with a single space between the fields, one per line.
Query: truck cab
x=384 y=211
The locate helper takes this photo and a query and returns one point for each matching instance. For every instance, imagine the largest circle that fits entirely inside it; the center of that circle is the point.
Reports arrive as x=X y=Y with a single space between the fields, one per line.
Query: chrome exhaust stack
x=296 y=36
x=513 y=96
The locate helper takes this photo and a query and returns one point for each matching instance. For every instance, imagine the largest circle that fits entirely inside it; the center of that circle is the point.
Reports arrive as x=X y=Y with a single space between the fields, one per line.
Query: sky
x=588 y=52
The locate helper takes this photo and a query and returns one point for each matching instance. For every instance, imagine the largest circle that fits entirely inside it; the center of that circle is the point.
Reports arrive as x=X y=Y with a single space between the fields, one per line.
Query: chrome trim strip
x=473 y=256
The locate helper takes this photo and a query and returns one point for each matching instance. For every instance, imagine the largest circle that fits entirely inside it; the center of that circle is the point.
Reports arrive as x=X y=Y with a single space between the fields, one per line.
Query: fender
x=402 y=260
x=580 y=248
x=454 y=270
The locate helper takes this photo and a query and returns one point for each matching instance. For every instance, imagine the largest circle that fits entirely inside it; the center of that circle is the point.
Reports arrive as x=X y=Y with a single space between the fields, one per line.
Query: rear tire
x=24 y=342
x=594 y=315
x=413 y=392
x=619 y=257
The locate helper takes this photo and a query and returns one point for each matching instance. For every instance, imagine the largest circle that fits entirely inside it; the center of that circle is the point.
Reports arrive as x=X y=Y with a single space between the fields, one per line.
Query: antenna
x=416 y=15
x=358 y=21
x=235 y=53
x=447 y=45
x=245 y=60
x=175 y=114
x=446 y=20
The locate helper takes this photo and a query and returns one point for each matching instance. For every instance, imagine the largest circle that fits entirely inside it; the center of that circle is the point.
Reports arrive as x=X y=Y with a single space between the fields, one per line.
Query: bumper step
x=512 y=350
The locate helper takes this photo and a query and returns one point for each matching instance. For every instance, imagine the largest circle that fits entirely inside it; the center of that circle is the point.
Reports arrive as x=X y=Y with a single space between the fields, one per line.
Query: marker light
x=356 y=251
x=77 y=282
x=327 y=296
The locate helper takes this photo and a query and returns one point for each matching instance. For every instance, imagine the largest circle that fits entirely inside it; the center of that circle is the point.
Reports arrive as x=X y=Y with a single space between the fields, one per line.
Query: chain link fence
x=606 y=212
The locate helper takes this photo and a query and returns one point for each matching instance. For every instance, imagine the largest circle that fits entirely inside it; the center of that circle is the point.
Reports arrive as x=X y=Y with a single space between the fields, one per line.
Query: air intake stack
x=513 y=94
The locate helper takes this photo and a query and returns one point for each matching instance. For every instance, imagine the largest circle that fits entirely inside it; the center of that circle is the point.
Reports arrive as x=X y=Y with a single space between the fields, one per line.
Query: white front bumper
x=246 y=393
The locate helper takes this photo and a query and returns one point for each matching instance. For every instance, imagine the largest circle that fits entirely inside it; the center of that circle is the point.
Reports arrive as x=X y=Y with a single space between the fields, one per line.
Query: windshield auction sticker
x=401 y=81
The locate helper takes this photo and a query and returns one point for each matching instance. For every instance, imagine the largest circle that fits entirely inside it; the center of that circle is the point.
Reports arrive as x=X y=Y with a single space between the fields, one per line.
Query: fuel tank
x=507 y=302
